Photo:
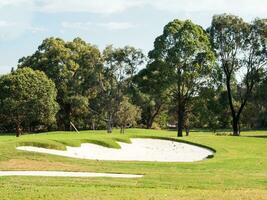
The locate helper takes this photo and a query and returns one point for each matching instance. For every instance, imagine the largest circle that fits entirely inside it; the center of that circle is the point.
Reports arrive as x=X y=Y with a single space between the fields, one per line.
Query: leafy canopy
x=26 y=97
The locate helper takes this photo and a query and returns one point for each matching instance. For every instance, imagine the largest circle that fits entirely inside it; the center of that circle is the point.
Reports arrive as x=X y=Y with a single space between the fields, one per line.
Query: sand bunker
x=138 y=150
x=66 y=174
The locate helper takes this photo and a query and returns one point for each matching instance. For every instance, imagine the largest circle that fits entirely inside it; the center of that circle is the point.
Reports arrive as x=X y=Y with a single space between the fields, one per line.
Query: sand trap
x=66 y=174
x=138 y=150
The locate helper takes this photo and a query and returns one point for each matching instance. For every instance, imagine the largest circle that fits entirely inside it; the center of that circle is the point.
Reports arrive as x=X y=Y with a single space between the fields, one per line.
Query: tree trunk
x=180 y=122
x=93 y=125
x=18 y=130
x=67 y=125
x=235 y=118
x=109 y=124
x=149 y=123
x=122 y=130
x=236 y=129
x=109 y=129
x=150 y=120
x=187 y=130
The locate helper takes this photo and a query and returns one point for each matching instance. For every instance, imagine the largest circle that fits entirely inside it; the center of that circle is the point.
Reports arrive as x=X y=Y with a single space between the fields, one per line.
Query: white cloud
x=36 y=29
x=92 y=6
x=117 y=25
x=89 y=25
x=10 y=30
x=237 y=6
x=114 y=6
x=76 y=25
x=4 y=24
x=13 y=2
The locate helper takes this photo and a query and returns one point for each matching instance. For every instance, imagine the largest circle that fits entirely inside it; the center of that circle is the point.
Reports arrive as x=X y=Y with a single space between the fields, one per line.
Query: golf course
x=238 y=169
x=133 y=100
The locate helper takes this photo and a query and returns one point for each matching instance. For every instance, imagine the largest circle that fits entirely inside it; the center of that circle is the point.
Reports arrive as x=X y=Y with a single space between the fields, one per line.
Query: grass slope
x=238 y=170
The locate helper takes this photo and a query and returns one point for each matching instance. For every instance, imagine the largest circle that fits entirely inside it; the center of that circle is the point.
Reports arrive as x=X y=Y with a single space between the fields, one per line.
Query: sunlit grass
x=237 y=171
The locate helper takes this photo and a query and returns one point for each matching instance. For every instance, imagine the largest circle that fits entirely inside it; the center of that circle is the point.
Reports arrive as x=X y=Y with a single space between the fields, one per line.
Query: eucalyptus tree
x=185 y=49
x=120 y=66
x=241 y=52
x=149 y=91
x=127 y=114
x=73 y=66
x=27 y=97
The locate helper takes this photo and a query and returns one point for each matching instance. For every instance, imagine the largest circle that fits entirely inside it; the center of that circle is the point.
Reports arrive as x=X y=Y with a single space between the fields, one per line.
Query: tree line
x=192 y=78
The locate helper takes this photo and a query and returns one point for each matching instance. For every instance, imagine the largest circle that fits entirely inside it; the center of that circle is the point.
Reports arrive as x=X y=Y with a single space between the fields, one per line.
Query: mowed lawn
x=237 y=171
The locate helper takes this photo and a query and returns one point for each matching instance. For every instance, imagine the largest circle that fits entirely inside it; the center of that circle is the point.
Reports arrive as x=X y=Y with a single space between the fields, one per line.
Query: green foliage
x=149 y=91
x=73 y=66
x=127 y=114
x=257 y=102
x=181 y=84
x=241 y=49
x=120 y=65
x=27 y=98
x=185 y=50
x=210 y=109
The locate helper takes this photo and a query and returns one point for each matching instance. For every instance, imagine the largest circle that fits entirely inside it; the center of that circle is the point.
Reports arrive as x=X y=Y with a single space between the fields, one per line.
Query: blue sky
x=25 y=23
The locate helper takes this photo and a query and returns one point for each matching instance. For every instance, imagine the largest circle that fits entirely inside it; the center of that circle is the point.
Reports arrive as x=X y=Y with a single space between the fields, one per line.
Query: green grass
x=237 y=171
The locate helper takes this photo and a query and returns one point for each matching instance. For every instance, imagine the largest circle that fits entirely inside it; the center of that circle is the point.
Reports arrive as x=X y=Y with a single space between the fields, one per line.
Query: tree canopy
x=185 y=49
x=73 y=67
x=120 y=66
x=27 y=98
x=241 y=50
x=192 y=78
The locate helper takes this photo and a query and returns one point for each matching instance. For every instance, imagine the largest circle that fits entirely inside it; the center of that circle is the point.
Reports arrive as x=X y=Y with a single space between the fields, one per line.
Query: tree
x=27 y=97
x=73 y=66
x=241 y=51
x=257 y=102
x=127 y=114
x=210 y=109
x=149 y=91
x=120 y=65
x=186 y=51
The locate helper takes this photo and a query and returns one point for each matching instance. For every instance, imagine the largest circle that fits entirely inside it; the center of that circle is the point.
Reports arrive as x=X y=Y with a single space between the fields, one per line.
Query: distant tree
x=127 y=114
x=74 y=67
x=27 y=97
x=149 y=91
x=241 y=50
x=186 y=51
x=257 y=102
x=210 y=109
x=120 y=65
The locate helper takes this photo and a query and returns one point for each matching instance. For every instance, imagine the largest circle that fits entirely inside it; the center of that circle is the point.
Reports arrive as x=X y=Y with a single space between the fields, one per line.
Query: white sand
x=66 y=174
x=138 y=150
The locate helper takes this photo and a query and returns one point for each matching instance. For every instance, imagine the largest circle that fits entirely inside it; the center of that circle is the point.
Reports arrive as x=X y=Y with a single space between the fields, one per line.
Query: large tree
x=27 y=97
x=120 y=65
x=241 y=51
x=186 y=51
x=149 y=91
x=73 y=66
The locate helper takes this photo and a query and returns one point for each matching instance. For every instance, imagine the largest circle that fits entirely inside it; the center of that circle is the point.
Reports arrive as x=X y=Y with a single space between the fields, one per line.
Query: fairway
x=238 y=169
x=133 y=100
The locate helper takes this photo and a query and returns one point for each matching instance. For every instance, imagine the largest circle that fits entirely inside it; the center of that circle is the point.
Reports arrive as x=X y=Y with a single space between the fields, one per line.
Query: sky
x=24 y=24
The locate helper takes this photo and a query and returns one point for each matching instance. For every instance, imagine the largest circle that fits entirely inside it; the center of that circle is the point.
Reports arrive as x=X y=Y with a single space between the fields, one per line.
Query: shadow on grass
x=258 y=136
